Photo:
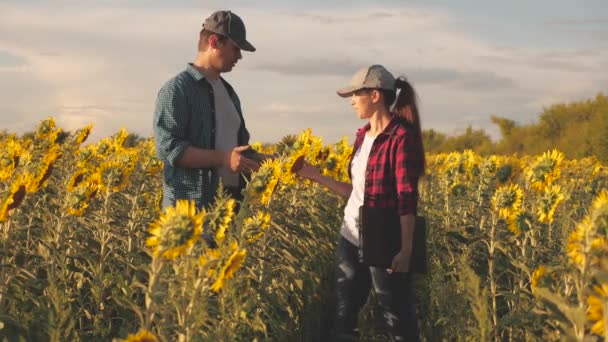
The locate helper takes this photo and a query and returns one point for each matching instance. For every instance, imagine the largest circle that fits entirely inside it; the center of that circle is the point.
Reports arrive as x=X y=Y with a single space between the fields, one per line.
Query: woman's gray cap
x=372 y=77
x=230 y=25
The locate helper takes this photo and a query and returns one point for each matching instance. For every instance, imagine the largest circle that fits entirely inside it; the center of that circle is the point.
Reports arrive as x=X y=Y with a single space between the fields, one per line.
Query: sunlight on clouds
x=104 y=63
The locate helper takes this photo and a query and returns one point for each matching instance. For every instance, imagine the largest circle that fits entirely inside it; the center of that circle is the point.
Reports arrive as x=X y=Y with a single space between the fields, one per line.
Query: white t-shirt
x=227 y=124
x=350 y=224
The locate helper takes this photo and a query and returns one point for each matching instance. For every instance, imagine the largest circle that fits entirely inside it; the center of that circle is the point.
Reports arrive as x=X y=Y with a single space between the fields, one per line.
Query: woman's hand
x=401 y=262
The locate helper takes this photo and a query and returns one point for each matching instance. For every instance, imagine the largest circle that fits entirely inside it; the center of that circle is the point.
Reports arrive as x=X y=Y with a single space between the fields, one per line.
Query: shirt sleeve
x=170 y=123
x=406 y=175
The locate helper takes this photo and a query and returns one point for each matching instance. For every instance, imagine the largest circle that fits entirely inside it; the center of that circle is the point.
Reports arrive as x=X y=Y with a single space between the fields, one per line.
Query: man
x=199 y=129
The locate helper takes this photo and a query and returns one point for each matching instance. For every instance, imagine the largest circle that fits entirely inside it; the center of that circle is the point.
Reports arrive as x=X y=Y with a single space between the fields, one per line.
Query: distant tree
x=432 y=140
x=472 y=139
x=505 y=125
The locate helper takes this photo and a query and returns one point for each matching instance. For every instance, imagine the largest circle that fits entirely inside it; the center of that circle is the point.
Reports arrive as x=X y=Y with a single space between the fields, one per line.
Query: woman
x=387 y=161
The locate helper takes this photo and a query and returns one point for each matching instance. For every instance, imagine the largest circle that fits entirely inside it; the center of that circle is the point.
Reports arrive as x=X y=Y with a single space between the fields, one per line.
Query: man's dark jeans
x=394 y=292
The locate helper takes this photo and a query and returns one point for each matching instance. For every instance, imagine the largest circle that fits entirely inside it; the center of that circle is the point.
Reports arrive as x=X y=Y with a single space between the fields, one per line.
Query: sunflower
x=578 y=240
x=46 y=128
x=232 y=265
x=470 y=162
x=548 y=202
x=545 y=169
x=226 y=216
x=8 y=163
x=13 y=198
x=120 y=137
x=141 y=336
x=599 y=213
x=84 y=154
x=254 y=226
x=490 y=164
x=598 y=303
x=82 y=134
x=507 y=200
x=45 y=168
x=539 y=276
x=78 y=199
x=520 y=222
x=175 y=231
x=104 y=148
x=266 y=180
x=114 y=176
x=316 y=145
x=77 y=177
x=457 y=189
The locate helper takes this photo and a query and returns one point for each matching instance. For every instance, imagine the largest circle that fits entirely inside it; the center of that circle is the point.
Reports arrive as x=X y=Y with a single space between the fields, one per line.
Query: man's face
x=226 y=54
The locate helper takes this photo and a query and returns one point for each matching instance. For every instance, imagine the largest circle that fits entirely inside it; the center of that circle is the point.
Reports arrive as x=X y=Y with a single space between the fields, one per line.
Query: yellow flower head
x=507 y=200
x=539 y=277
x=45 y=168
x=13 y=198
x=141 y=336
x=78 y=176
x=577 y=248
x=78 y=199
x=548 y=202
x=175 y=231
x=266 y=179
x=520 y=222
x=595 y=312
x=120 y=137
x=46 y=128
x=226 y=216
x=232 y=265
x=490 y=164
x=599 y=212
x=82 y=134
x=545 y=169
x=114 y=176
x=254 y=226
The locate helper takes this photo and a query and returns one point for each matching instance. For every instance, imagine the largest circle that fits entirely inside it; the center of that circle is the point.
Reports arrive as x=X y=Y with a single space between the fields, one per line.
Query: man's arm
x=171 y=119
x=198 y=158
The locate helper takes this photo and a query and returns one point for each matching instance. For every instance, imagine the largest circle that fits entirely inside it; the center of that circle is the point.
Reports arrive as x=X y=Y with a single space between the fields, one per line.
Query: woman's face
x=365 y=102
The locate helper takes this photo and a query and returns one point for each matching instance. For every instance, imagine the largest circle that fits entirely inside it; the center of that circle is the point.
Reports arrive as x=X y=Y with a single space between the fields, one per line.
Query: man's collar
x=194 y=72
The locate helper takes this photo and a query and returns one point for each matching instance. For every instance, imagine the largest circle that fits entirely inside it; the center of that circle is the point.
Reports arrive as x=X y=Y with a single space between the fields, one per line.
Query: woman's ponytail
x=406 y=107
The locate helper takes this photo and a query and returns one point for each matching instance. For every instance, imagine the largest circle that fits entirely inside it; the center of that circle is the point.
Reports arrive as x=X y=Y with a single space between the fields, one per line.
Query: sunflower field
x=517 y=246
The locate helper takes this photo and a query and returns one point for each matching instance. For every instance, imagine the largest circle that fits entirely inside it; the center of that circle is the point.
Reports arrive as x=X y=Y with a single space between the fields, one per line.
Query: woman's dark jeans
x=394 y=292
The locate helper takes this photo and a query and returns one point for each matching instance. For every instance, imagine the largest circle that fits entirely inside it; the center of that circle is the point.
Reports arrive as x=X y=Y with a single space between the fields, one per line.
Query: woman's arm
x=314 y=174
x=401 y=261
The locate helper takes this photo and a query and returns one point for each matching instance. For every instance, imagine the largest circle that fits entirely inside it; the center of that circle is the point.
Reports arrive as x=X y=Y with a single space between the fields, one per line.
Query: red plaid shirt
x=393 y=167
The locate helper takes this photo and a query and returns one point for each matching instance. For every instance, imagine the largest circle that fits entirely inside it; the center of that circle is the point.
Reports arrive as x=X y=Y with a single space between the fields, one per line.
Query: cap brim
x=244 y=45
x=346 y=91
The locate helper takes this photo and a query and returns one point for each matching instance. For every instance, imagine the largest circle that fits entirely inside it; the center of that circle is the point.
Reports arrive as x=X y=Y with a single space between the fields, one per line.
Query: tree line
x=578 y=129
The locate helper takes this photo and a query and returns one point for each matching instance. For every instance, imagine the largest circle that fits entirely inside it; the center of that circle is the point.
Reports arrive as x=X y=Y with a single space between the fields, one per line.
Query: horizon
x=103 y=62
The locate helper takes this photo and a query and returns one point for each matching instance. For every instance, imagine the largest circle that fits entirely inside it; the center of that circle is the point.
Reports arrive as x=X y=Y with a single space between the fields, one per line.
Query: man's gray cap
x=372 y=77
x=230 y=25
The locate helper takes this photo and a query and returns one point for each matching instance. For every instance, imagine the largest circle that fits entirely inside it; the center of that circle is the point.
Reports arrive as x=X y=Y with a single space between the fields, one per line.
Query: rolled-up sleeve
x=406 y=175
x=170 y=123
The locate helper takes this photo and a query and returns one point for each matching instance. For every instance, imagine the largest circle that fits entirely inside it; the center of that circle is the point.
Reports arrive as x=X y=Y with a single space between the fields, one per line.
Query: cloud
x=471 y=79
x=104 y=63
x=311 y=67
x=577 y=22
x=9 y=61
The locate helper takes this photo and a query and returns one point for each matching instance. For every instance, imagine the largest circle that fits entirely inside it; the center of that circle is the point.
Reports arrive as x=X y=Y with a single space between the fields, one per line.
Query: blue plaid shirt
x=185 y=116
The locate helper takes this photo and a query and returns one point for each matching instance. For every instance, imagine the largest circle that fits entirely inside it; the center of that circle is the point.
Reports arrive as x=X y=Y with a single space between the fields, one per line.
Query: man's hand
x=237 y=163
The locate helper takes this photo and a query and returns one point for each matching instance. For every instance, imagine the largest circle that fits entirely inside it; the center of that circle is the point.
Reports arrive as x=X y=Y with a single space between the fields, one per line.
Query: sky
x=103 y=61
